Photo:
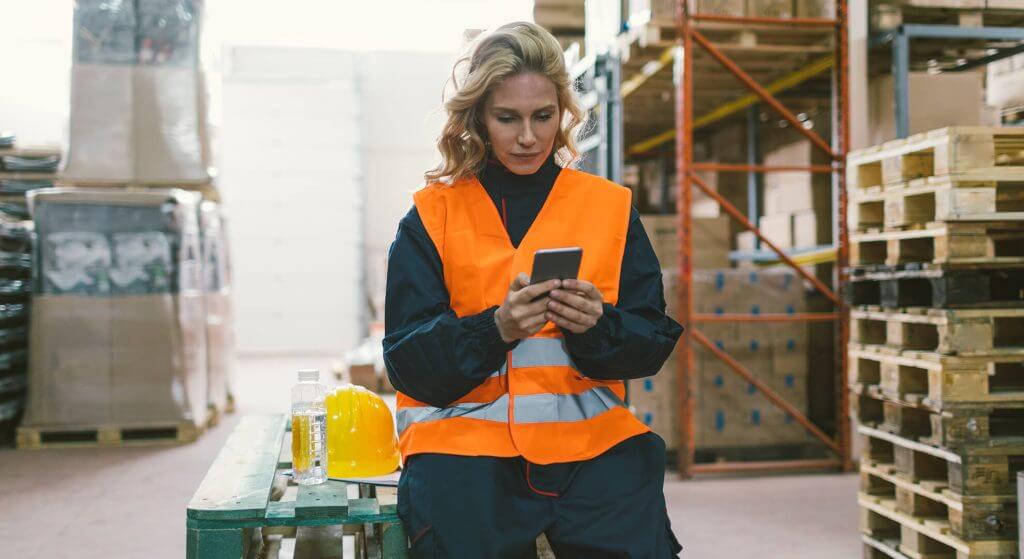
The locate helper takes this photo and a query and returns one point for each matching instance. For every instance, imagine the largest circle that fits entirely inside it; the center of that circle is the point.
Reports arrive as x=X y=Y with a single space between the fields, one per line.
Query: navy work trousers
x=481 y=507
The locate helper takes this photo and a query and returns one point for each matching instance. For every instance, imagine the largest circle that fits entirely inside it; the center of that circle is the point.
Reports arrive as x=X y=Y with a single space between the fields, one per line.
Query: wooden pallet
x=940 y=381
x=947 y=331
x=955 y=428
x=937 y=288
x=245 y=501
x=973 y=471
x=964 y=152
x=989 y=517
x=992 y=243
x=928 y=199
x=923 y=538
x=889 y=14
x=36 y=437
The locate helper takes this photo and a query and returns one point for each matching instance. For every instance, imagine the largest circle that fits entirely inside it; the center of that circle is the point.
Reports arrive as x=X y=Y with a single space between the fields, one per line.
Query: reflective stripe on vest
x=488 y=411
x=528 y=408
x=545 y=408
x=539 y=352
x=531 y=408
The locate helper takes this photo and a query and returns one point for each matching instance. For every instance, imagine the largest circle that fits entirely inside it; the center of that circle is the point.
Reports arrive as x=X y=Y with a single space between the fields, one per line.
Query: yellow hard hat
x=361 y=439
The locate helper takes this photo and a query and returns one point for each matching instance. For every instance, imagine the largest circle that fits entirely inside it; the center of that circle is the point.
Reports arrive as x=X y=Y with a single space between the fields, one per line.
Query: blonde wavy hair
x=509 y=50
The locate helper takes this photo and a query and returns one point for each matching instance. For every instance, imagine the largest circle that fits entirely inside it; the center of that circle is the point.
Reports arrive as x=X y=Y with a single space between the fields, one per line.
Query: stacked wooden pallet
x=937 y=341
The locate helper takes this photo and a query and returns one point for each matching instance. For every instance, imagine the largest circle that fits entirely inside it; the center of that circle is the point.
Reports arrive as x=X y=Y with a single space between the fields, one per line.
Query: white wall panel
x=291 y=181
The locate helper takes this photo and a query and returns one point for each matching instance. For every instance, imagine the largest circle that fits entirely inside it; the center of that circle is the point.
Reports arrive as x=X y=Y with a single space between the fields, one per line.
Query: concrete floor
x=130 y=503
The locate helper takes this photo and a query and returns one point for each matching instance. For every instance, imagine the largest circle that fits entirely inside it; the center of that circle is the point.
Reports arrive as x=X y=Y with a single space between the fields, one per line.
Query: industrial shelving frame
x=901 y=38
x=689 y=37
x=605 y=83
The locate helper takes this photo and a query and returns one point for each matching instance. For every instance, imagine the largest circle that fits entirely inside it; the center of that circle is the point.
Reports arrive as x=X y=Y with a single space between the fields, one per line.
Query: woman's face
x=522 y=117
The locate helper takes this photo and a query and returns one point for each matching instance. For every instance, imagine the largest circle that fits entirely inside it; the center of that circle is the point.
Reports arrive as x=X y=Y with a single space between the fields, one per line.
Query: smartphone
x=556 y=263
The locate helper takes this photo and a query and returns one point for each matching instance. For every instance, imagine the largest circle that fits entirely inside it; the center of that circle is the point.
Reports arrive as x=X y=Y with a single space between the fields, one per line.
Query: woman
x=510 y=410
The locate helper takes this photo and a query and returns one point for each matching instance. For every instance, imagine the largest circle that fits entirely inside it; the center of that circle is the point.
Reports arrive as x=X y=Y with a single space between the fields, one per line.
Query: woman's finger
x=534 y=321
x=589 y=290
x=570 y=313
x=562 y=322
x=573 y=300
x=531 y=292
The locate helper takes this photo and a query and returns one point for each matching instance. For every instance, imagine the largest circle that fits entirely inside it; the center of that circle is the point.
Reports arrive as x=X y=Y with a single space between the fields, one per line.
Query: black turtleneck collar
x=518 y=198
x=495 y=176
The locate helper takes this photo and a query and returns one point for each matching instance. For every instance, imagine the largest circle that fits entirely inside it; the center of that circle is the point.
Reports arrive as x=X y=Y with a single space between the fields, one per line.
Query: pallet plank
x=941 y=243
x=982 y=470
x=938 y=288
x=953 y=332
x=992 y=517
x=934 y=531
x=238 y=484
x=957 y=151
x=322 y=500
x=931 y=199
x=940 y=381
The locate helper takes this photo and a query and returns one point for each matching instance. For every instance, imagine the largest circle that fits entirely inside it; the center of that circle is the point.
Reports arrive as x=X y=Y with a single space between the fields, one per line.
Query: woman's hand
x=520 y=316
x=577 y=306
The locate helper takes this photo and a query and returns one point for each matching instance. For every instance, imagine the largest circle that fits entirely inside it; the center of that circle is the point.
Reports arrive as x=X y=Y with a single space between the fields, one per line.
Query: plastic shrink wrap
x=118 y=333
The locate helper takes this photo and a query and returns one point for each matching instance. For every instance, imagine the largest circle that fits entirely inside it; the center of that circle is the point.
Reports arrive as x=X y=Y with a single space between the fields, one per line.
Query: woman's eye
x=506 y=118
x=544 y=117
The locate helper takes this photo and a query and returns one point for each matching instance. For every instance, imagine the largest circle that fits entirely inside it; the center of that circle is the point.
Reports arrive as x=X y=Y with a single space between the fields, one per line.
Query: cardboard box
x=805 y=230
x=710 y=240
x=770 y=8
x=929 y=111
x=720 y=7
x=778 y=229
x=1005 y=82
x=796 y=191
x=734 y=413
x=815 y=8
x=746 y=241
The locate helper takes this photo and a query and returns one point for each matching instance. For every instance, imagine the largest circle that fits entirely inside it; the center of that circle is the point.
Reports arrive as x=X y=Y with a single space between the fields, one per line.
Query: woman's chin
x=523 y=167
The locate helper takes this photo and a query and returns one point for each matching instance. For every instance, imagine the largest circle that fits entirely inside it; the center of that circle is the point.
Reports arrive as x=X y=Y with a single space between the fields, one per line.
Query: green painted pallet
x=234 y=509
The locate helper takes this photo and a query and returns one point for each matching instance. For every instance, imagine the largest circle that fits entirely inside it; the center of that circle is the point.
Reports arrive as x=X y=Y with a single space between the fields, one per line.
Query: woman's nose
x=526 y=138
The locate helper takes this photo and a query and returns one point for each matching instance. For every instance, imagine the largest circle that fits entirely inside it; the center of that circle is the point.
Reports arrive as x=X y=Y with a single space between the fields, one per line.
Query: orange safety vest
x=538 y=405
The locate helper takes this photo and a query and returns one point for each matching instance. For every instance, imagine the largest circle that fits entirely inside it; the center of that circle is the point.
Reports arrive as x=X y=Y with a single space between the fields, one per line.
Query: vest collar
x=490 y=219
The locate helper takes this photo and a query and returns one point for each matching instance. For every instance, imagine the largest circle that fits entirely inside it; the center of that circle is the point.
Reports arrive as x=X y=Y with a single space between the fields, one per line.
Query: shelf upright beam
x=841 y=274
x=901 y=83
x=753 y=159
x=687 y=379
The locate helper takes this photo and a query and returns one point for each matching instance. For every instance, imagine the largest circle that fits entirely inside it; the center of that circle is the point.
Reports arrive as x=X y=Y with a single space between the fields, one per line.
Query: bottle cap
x=309 y=374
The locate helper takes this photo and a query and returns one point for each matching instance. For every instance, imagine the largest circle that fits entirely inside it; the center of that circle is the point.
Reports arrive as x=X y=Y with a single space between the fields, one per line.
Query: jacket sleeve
x=430 y=353
x=634 y=337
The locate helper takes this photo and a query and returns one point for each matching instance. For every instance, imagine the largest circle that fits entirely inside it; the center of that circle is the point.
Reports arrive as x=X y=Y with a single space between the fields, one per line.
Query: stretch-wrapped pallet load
x=138 y=94
x=219 y=317
x=118 y=334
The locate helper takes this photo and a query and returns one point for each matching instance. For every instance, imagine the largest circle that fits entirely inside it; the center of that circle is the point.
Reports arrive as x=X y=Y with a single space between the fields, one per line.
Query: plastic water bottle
x=309 y=423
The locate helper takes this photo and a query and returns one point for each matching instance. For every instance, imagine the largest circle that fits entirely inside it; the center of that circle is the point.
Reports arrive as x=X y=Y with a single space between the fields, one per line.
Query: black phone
x=556 y=263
